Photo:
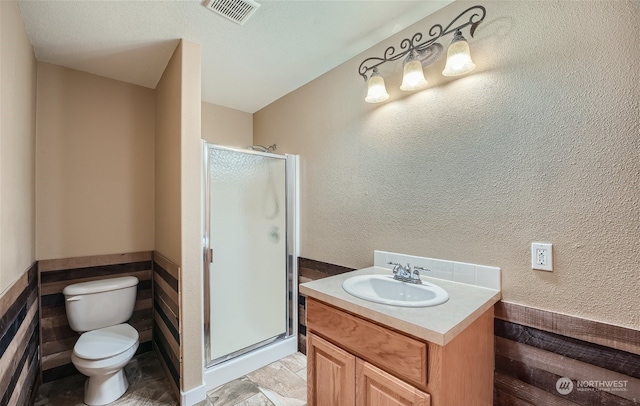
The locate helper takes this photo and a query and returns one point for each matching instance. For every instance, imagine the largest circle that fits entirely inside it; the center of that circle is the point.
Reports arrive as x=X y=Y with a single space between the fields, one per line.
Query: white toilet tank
x=97 y=304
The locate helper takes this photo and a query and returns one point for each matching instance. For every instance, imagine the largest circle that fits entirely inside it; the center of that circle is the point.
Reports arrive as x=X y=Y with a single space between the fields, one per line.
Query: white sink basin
x=384 y=289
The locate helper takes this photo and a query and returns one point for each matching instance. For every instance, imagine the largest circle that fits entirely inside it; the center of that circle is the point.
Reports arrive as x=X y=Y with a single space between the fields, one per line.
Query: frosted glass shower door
x=247 y=233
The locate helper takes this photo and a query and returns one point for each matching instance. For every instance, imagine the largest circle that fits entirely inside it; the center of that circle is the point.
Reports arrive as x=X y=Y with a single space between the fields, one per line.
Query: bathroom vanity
x=365 y=353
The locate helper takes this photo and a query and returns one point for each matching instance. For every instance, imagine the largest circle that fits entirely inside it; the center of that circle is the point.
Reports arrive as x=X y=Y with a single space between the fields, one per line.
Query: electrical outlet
x=541 y=257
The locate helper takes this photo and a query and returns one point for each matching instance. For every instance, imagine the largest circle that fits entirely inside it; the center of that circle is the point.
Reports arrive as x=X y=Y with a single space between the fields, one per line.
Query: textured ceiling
x=284 y=45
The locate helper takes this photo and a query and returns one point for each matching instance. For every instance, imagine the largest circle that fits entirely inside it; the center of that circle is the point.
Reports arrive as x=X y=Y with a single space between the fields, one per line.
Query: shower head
x=261 y=148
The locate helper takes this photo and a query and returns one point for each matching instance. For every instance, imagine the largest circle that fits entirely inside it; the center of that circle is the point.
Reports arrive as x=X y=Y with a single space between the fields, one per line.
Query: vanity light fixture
x=377 y=92
x=413 y=76
x=417 y=55
x=458 y=57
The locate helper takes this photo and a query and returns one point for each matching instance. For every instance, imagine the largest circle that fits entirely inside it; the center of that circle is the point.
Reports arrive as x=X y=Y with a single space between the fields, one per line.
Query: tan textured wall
x=191 y=282
x=540 y=143
x=94 y=172
x=168 y=102
x=178 y=200
x=225 y=126
x=17 y=145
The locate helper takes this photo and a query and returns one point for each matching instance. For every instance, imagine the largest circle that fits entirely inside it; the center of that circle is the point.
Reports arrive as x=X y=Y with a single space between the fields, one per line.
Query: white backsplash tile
x=440 y=269
x=471 y=274
x=396 y=258
x=488 y=277
x=420 y=261
x=380 y=258
x=464 y=273
x=412 y=259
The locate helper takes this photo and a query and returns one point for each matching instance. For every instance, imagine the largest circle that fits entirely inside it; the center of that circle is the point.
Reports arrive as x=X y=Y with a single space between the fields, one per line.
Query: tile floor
x=282 y=383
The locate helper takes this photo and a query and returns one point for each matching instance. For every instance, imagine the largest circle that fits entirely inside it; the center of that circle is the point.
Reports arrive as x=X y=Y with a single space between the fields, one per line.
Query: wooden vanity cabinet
x=374 y=387
x=332 y=378
x=352 y=361
x=337 y=378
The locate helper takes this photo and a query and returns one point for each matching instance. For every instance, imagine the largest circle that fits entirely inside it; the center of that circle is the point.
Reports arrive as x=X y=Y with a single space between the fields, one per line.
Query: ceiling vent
x=237 y=11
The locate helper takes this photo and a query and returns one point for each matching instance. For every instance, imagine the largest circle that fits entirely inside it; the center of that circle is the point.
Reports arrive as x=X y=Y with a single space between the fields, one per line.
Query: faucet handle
x=415 y=277
x=395 y=266
x=420 y=268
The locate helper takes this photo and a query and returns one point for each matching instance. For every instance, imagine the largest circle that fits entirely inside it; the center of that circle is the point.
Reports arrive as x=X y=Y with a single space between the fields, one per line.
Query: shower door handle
x=210 y=255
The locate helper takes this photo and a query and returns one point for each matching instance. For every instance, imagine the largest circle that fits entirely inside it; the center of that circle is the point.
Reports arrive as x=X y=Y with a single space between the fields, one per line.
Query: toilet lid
x=106 y=342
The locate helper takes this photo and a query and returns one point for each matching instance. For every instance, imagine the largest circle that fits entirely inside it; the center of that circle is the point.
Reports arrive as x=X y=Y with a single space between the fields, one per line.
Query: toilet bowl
x=99 y=310
x=101 y=355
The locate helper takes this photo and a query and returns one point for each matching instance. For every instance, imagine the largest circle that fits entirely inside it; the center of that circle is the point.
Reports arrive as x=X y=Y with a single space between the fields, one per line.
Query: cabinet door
x=331 y=375
x=374 y=387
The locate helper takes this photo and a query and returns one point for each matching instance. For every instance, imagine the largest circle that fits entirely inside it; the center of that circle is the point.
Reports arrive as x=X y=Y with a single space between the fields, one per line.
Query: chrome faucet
x=404 y=274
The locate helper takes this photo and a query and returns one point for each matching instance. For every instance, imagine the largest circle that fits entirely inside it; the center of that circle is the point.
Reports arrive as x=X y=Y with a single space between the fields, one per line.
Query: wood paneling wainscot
x=166 y=320
x=19 y=340
x=535 y=348
x=57 y=338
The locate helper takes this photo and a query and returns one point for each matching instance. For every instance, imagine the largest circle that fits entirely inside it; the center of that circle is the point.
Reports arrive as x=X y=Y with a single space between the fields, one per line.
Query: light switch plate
x=541 y=256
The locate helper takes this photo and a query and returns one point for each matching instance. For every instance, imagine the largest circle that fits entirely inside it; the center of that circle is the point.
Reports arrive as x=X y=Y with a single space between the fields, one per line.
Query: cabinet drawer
x=398 y=354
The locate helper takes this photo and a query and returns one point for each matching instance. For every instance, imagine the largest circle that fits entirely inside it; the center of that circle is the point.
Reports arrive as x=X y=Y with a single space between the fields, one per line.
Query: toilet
x=99 y=310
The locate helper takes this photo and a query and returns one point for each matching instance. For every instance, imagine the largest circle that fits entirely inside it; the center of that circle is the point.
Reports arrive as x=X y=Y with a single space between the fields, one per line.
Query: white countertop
x=437 y=324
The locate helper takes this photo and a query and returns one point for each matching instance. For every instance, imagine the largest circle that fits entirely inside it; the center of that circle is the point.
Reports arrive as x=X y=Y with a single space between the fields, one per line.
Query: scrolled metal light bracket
x=476 y=16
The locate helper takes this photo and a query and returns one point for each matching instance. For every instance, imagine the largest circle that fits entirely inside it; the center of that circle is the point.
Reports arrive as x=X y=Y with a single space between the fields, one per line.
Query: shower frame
x=285 y=343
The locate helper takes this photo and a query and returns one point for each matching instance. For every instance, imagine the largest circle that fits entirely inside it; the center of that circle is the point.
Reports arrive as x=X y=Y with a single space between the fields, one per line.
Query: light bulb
x=458 y=57
x=413 y=76
x=377 y=92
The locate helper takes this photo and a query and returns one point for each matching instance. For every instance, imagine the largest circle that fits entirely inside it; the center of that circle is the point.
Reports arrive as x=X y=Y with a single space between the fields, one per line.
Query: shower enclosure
x=250 y=266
